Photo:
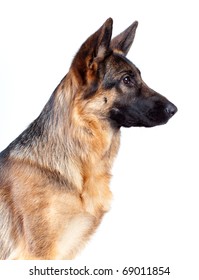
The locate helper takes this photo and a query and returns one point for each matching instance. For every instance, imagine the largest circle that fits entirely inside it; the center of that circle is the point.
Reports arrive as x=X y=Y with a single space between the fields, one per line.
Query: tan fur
x=54 y=192
x=45 y=221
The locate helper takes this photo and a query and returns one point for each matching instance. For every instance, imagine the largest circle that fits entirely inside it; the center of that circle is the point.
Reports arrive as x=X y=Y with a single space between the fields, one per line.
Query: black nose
x=171 y=109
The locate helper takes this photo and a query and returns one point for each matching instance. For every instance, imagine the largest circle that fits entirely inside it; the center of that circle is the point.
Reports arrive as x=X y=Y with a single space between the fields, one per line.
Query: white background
x=154 y=215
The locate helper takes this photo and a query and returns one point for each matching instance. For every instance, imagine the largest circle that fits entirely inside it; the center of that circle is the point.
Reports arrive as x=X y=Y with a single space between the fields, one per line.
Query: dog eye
x=127 y=80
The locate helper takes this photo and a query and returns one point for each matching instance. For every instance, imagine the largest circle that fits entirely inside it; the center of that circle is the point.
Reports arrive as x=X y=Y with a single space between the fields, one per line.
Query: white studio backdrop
x=154 y=215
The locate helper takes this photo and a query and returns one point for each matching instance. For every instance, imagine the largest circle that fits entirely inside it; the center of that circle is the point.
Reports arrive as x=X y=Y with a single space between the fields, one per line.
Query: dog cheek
x=91 y=89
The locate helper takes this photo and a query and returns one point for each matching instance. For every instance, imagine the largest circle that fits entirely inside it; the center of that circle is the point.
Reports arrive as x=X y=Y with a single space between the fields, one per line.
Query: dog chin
x=147 y=124
x=120 y=120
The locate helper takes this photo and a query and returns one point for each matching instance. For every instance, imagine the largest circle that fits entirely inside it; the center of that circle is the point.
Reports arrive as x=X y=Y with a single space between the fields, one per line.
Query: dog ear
x=92 y=52
x=124 y=40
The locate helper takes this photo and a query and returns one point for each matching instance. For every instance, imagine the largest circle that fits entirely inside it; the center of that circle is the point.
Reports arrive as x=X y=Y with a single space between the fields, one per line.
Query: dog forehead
x=118 y=64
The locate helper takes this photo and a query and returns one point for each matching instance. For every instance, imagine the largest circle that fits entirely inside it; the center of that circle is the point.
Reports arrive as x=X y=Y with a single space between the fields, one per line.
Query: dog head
x=111 y=87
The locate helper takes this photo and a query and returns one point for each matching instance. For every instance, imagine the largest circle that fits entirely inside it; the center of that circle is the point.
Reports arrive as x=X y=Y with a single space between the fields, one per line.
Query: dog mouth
x=136 y=116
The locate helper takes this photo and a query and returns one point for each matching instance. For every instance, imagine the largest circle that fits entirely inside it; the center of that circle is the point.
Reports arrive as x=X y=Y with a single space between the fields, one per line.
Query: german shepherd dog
x=54 y=178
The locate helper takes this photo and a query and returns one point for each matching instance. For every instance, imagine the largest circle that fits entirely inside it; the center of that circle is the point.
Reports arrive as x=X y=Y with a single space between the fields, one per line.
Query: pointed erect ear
x=92 y=52
x=124 y=40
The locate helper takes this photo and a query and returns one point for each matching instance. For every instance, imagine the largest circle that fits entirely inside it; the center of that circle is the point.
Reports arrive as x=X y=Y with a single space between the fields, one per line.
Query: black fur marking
x=147 y=112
